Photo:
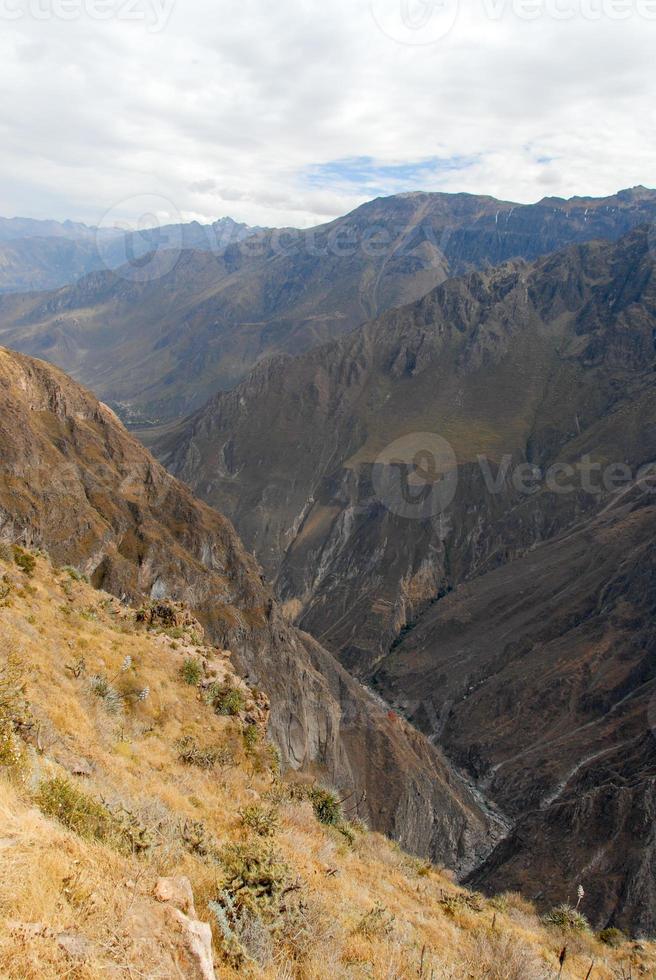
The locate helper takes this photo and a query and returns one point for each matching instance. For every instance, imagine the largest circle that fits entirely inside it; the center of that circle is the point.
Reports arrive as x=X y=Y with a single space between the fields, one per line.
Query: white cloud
x=232 y=107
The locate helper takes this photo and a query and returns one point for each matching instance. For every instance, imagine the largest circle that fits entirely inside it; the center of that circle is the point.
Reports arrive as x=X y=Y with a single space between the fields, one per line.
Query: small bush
x=327 y=808
x=263 y=821
x=101 y=687
x=254 y=876
x=204 y=757
x=612 y=937
x=191 y=671
x=225 y=700
x=6 y=552
x=565 y=917
x=251 y=738
x=25 y=561
x=462 y=902
x=377 y=922
x=196 y=839
x=59 y=798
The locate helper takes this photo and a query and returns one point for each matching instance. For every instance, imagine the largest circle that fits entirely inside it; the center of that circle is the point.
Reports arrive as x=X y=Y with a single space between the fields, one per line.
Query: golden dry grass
x=359 y=908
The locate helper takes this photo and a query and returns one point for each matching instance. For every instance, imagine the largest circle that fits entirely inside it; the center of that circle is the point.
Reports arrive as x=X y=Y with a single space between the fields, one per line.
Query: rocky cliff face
x=524 y=365
x=74 y=482
x=157 y=345
x=540 y=678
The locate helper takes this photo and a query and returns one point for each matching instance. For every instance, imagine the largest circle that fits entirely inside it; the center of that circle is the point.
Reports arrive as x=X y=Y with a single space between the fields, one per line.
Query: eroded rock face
x=72 y=481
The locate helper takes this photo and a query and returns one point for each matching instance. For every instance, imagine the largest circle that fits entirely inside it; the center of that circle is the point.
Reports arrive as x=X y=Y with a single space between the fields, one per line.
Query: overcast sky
x=290 y=112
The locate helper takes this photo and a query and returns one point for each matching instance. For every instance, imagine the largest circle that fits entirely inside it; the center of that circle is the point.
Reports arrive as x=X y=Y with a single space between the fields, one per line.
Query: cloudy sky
x=290 y=112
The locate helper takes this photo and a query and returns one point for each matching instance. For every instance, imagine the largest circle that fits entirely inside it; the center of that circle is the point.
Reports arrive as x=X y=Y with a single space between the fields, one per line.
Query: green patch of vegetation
x=191 y=671
x=81 y=813
x=254 y=875
x=25 y=561
x=77 y=811
x=225 y=699
x=251 y=738
x=565 y=917
x=612 y=937
x=107 y=693
x=191 y=753
x=261 y=820
x=327 y=808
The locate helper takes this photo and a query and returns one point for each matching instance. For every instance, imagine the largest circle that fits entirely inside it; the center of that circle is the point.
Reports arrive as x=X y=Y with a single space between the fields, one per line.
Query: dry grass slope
x=129 y=751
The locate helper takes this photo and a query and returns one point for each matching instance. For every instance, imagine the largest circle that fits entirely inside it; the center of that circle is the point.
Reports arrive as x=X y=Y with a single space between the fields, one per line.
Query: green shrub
x=101 y=687
x=263 y=821
x=59 y=798
x=225 y=699
x=251 y=738
x=191 y=671
x=204 y=757
x=254 y=875
x=25 y=561
x=612 y=937
x=327 y=808
x=119 y=827
x=565 y=917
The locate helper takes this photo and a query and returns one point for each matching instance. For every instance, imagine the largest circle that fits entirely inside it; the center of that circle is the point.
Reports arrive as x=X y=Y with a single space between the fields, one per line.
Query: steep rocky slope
x=157 y=344
x=147 y=832
x=540 y=678
x=74 y=482
x=540 y=364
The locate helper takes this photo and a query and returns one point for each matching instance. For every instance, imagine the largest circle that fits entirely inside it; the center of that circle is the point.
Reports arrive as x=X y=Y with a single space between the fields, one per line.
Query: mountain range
x=512 y=623
x=42 y=255
x=155 y=341
x=429 y=422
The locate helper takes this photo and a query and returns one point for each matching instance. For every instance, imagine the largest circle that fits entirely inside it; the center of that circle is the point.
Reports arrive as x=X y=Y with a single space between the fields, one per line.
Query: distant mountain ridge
x=41 y=255
x=156 y=346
